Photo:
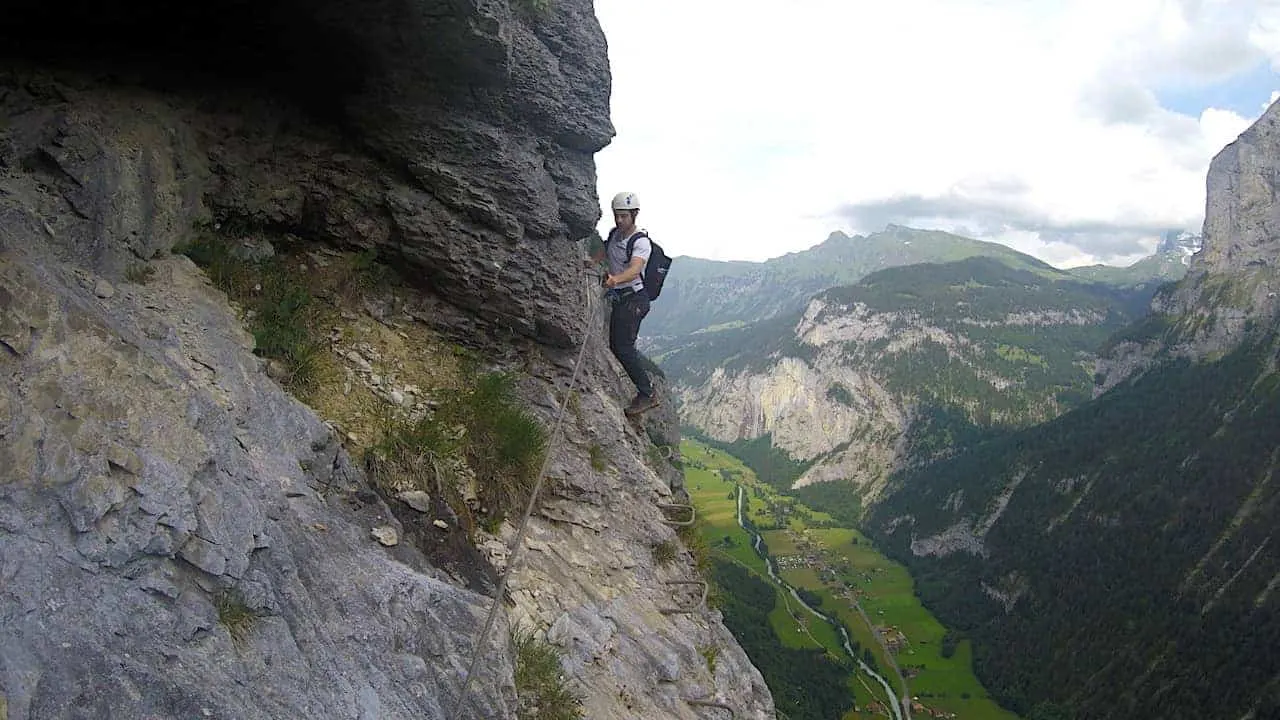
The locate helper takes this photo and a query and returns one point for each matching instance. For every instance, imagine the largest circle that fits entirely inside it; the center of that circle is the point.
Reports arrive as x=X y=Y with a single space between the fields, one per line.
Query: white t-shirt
x=616 y=252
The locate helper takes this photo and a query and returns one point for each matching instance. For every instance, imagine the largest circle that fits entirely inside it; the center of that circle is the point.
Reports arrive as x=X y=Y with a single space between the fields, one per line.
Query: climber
x=625 y=291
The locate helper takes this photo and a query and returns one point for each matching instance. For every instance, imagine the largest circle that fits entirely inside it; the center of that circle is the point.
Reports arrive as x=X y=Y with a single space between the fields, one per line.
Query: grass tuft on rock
x=235 y=616
x=695 y=540
x=541 y=686
x=710 y=653
x=538 y=7
x=665 y=553
x=479 y=431
x=599 y=462
x=277 y=305
x=505 y=443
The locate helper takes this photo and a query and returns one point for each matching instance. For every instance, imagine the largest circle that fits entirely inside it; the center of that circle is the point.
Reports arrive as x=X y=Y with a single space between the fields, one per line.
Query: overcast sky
x=1073 y=130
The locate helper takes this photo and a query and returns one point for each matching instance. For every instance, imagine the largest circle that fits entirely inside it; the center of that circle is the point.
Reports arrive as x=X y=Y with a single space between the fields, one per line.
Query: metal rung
x=692 y=608
x=666 y=451
x=693 y=514
x=713 y=704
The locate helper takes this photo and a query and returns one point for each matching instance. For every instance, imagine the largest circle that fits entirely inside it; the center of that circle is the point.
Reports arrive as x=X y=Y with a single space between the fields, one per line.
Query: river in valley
x=900 y=707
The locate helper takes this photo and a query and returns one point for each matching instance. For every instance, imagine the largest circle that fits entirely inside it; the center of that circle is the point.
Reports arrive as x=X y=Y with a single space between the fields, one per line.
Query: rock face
x=458 y=137
x=1242 y=222
x=1233 y=283
x=181 y=538
x=851 y=441
x=156 y=481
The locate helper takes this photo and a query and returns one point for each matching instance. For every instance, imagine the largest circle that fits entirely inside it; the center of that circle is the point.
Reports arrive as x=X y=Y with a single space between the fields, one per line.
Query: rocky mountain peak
x=1180 y=242
x=1242 y=219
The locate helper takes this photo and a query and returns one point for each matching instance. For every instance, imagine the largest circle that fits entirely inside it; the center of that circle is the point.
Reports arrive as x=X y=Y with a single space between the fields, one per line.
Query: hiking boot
x=640 y=404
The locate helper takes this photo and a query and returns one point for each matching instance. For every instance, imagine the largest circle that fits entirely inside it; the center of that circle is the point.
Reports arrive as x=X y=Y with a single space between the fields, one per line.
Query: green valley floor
x=836 y=570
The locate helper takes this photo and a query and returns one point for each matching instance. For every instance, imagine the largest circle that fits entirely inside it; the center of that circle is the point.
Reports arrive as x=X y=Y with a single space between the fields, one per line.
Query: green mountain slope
x=960 y=347
x=1024 y=345
x=971 y=296
x=1119 y=561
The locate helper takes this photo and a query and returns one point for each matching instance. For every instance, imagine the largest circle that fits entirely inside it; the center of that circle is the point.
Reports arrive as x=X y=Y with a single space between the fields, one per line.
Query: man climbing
x=625 y=283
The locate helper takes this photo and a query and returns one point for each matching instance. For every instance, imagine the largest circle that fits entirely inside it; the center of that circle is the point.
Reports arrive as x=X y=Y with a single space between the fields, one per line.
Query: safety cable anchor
x=712 y=704
x=702 y=601
x=693 y=514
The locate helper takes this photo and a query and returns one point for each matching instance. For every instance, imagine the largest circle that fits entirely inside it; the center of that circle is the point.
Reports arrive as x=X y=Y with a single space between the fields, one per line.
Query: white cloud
x=746 y=126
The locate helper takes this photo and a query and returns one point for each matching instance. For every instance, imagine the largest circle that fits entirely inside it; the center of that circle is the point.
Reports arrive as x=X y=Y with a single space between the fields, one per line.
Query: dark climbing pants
x=624 y=326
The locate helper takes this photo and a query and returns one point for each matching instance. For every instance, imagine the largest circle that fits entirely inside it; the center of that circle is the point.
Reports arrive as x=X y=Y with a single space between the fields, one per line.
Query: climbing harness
x=518 y=542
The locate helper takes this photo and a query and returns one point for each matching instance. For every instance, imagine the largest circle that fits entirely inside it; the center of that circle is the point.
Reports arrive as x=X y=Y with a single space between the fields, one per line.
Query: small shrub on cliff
x=654 y=455
x=277 y=305
x=227 y=272
x=139 y=273
x=841 y=394
x=483 y=426
x=541 y=687
x=665 y=553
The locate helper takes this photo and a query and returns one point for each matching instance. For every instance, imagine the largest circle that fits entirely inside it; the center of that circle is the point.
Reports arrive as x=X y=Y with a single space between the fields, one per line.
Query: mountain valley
x=1078 y=467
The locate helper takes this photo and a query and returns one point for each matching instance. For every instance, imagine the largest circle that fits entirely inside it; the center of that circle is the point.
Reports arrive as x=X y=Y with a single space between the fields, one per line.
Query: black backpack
x=655 y=269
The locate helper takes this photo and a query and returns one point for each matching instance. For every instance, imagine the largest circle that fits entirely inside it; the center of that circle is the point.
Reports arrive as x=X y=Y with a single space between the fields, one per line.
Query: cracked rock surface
x=153 y=475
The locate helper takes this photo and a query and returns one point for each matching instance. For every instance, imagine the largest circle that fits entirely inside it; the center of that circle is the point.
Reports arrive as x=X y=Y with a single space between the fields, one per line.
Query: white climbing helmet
x=626 y=201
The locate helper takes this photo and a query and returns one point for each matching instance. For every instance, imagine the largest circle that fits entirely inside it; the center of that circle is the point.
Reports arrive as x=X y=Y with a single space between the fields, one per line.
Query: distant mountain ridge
x=701 y=295
x=1170 y=262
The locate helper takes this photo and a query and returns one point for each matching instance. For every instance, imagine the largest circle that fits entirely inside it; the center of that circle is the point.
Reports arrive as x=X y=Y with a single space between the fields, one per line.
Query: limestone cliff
x=1231 y=288
x=181 y=537
x=789 y=402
